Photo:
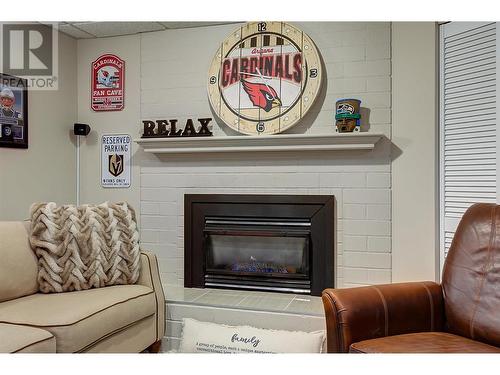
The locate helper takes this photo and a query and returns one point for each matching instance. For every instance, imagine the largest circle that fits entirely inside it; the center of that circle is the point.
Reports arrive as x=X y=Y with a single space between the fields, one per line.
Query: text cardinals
x=283 y=66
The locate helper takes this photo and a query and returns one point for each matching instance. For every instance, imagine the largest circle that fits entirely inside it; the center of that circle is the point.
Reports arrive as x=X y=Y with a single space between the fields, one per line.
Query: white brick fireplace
x=359 y=180
x=357 y=62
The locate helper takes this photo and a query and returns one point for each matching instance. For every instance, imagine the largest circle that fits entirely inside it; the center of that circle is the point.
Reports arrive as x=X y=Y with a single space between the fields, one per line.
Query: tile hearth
x=233 y=307
x=251 y=300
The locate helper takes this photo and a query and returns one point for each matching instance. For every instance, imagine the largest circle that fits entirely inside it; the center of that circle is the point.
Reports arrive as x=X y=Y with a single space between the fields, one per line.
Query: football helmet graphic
x=106 y=77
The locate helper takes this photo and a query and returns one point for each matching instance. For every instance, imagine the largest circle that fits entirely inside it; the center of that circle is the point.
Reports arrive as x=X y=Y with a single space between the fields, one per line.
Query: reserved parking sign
x=115 y=160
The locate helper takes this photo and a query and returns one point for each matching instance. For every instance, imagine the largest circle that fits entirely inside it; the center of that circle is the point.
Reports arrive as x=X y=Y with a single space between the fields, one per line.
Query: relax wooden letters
x=168 y=128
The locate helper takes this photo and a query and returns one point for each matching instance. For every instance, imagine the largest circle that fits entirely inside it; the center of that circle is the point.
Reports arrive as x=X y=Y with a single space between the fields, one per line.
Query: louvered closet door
x=468 y=121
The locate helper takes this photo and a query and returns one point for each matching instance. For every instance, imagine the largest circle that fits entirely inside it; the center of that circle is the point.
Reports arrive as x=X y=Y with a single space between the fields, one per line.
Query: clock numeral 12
x=261 y=26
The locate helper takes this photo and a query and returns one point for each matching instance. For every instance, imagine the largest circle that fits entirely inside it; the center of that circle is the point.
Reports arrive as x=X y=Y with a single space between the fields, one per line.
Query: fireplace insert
x=260 y=242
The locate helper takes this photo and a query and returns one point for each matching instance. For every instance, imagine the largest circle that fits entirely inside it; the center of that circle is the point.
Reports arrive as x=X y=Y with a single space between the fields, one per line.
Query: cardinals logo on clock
x=264 y=78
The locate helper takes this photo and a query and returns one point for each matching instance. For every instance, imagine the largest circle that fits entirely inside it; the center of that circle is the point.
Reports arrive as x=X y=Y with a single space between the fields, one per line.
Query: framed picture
x=13 y=111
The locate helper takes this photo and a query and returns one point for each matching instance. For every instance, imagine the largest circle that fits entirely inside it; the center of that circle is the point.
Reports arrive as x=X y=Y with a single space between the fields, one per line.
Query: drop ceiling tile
x=52 y=23
x=89 y=29
x=74 y=32
x=104 y=29
x=185 y=25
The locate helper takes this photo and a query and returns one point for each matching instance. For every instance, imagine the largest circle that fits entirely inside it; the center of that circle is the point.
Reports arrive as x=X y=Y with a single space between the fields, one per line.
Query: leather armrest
x=150 y=276
x=357 y=314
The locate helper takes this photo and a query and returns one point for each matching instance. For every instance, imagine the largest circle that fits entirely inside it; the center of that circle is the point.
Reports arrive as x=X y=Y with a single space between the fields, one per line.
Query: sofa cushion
x=425 y=342
x=80 y=319
x=22 y=339
x=134 y=339
x=18 y=263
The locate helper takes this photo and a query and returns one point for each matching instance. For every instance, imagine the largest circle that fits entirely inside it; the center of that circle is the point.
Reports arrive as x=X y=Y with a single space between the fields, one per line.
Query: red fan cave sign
x=108 y=83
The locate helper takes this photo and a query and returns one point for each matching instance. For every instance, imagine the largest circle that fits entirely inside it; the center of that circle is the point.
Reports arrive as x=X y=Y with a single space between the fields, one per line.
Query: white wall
x=166 y=77
x=120 y=122
x=356 y=58
x=414 y=168
x=46 y=170
x=174 y=66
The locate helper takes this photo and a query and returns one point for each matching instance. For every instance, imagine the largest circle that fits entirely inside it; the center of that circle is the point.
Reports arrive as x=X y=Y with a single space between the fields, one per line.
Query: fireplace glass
x=268 y=254
x=252 y=255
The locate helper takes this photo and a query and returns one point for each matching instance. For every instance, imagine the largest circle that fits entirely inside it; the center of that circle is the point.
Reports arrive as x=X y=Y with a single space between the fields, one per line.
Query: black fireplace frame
x=319 y=209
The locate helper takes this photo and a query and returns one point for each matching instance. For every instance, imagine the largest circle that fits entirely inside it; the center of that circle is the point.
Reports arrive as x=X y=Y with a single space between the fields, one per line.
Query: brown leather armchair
x=460 y=315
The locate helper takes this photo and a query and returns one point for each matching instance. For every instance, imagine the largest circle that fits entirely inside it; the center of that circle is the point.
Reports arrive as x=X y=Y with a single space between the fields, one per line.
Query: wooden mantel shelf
x=264 y=143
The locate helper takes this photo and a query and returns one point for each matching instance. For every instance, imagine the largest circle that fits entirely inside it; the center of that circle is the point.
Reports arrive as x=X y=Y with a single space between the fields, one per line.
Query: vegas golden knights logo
x=115 y=164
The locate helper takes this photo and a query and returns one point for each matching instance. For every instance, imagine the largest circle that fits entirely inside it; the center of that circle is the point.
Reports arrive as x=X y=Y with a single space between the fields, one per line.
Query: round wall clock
x=264 y=78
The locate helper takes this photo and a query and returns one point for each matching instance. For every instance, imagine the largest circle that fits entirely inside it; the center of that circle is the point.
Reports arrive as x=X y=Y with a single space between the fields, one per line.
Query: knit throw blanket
x=88 y=246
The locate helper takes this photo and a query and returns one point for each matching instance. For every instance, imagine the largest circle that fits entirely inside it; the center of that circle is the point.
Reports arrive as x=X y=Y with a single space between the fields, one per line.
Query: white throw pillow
x=204 y=337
